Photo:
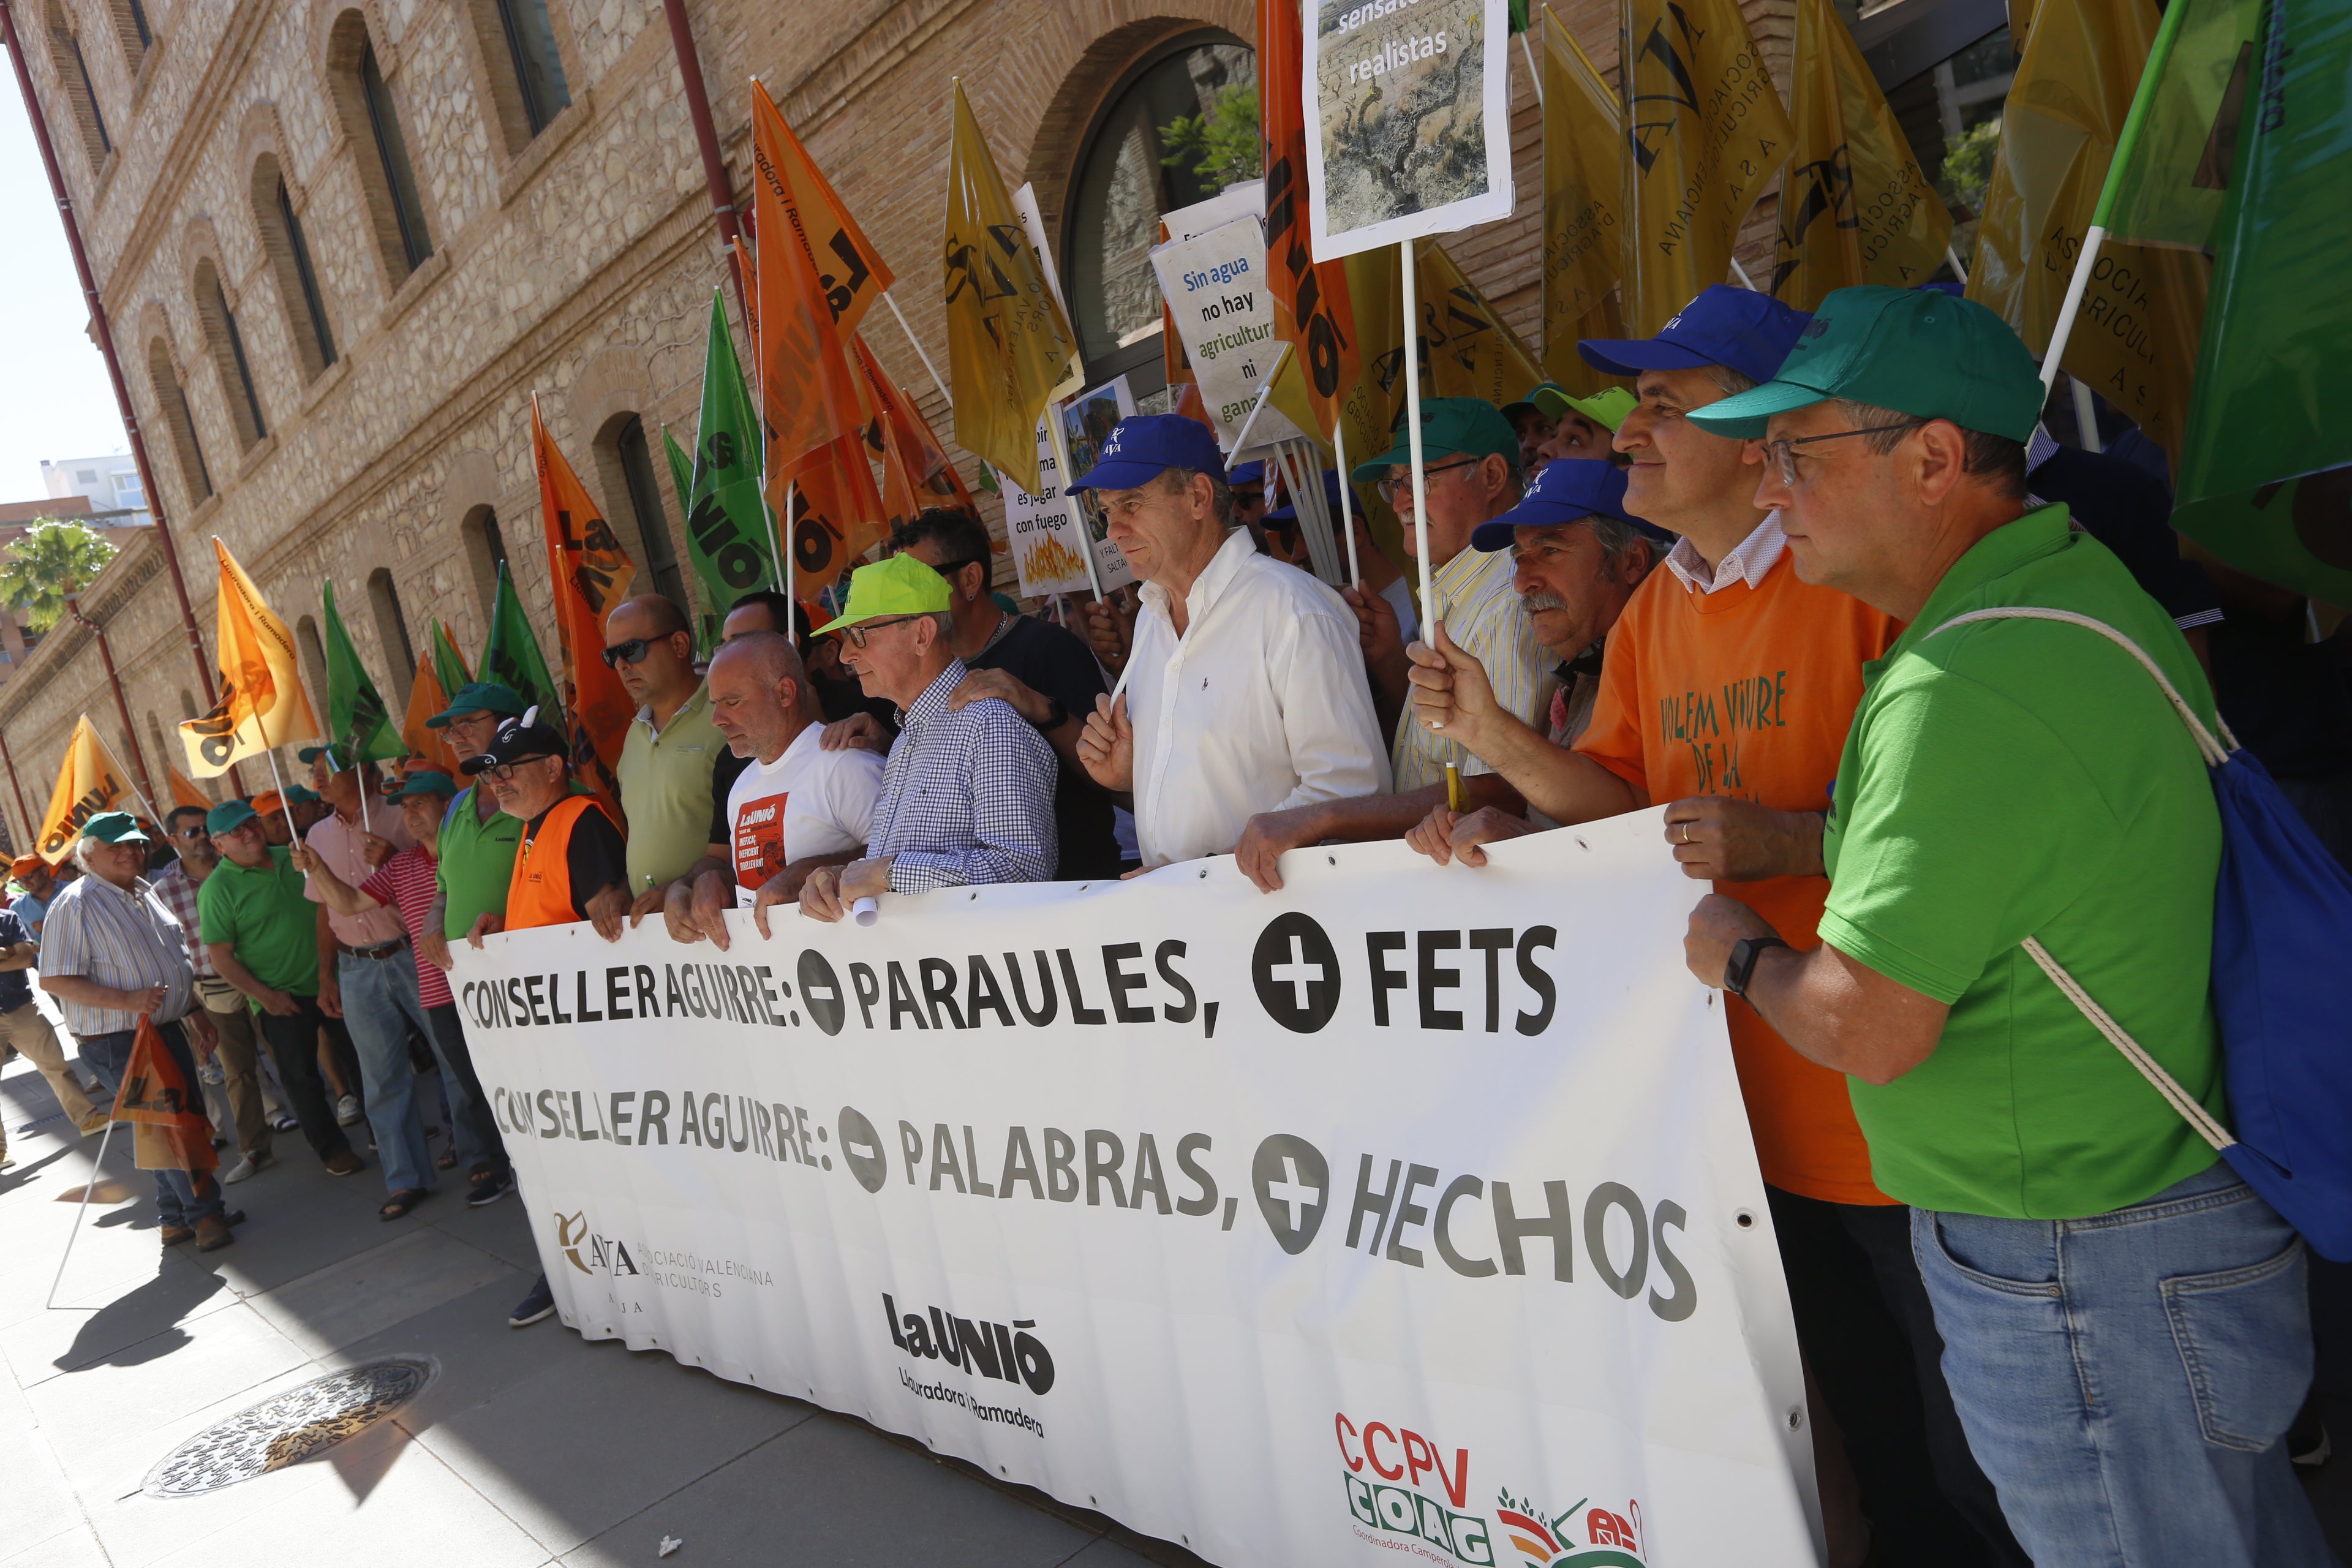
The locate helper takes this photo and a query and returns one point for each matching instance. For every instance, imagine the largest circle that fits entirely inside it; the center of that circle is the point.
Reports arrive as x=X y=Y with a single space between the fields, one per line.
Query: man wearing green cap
x=968 y=792
x=475 y=849
x=2124 y=1320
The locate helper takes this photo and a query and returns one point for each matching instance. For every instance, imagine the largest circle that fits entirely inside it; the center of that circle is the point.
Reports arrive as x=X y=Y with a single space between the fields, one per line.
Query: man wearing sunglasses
x=1728 y=689
x=675 y=765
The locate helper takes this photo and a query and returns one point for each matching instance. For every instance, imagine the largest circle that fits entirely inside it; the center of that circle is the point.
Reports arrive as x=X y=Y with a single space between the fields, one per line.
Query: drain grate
x=288 y=1427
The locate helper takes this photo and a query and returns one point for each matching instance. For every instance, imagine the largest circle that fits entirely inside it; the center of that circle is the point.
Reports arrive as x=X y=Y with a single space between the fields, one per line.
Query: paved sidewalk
x=533 y=1446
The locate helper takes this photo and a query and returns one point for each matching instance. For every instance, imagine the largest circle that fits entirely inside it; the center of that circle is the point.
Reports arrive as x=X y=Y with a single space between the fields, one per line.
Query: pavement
x=533 y=1446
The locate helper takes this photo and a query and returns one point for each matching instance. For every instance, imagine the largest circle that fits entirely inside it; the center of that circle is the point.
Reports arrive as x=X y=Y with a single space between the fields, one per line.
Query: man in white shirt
x=794 y=807
x=1247 y=685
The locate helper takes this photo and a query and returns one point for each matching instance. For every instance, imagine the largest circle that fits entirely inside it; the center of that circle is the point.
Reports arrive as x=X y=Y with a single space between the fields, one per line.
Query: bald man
x=795 y=806
x=675 y=765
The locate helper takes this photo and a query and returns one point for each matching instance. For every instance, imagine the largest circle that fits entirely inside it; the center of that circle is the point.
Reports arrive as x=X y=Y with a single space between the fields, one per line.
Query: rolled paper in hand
x=866 y=911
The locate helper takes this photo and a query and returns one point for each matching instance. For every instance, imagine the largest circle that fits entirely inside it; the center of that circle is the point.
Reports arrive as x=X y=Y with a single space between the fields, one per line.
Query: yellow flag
x=1009 y=345
x=1584 y=146
x=90 y=783
x=1466 y=349
x=1854 y=207
x=2135 y=340
x=262 y=704
x=1704 y=132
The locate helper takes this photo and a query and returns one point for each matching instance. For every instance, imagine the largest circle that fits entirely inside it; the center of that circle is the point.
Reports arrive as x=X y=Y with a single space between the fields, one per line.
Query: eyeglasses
x=857 y=633
x=505 y=771
x=1391 y=487
x=1784 y=456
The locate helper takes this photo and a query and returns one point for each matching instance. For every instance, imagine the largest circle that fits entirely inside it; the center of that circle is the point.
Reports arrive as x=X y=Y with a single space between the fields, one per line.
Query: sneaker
x=243 y=1169
x=539 y=1303
x=283 y=1122
x=96 y=1122
x=488 y=1192
x=347 y=1110
x=343 y=1162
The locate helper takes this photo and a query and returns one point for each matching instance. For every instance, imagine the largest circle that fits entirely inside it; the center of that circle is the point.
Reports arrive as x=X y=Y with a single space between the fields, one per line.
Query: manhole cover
x=290 y=1428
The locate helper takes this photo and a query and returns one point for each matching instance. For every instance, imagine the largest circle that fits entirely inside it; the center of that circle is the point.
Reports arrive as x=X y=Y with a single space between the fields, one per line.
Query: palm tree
x=53 y=563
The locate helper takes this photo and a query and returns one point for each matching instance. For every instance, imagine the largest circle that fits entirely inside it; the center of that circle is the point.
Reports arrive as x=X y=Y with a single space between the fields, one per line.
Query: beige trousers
x=34 y=1038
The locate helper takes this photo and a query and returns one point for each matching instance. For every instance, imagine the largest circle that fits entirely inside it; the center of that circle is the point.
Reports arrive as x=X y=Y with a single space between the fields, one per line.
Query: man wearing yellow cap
x=968 y=794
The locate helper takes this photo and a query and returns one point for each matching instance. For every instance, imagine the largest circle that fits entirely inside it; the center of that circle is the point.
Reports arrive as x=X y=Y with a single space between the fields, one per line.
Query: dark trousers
x=450 y=1031
x=294 y=1046
x=182 y=1197
x=1868 y=1333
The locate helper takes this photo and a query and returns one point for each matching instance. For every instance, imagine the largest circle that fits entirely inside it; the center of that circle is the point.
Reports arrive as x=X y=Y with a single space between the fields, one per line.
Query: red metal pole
x=122 y=704
x=105 y=337
x=32 y=828
x=705 y=137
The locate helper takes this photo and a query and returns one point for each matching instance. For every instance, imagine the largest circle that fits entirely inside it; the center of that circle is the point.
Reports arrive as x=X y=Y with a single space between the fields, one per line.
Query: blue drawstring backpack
x=2282 y=947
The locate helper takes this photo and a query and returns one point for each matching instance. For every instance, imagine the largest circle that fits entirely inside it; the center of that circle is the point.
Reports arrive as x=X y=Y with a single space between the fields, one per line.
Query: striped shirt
x=967 y=796
x=404 y=884
x=1482 y=615
x=178 y=891
x=120 y=937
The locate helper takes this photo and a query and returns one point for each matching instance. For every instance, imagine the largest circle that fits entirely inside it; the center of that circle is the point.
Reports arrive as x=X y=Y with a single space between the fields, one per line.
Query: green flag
x=356 y=716
x=2182 y=134
x=448 y=664
x=2266 y=471
x=727 y=527
x=512 y=658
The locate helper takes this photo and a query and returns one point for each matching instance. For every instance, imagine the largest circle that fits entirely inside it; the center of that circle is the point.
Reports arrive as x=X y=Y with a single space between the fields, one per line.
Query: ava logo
x=860 y=1144
x=1293 y=1182
x=820 y=991
x=605 y=1254
x=1297 y=973
x=1607 y=1540
x=1110 y=447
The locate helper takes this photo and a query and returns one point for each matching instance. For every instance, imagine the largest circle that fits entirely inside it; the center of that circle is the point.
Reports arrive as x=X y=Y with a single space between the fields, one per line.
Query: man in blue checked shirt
x=968 y=794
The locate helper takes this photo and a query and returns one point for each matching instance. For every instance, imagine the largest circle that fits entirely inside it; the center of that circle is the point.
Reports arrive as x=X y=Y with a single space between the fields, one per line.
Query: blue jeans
x=379 y=1004
x=2127 y=1380
x=178 y=1202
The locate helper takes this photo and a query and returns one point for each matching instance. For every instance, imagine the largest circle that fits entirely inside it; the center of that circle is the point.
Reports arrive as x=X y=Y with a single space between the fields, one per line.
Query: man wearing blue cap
x=2123 y=1319
x=1728 y=688
x=1576 y=559
x=1247 y=677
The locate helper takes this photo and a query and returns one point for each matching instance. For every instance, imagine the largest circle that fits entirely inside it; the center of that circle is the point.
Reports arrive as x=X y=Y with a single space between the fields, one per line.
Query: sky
x=54 y=399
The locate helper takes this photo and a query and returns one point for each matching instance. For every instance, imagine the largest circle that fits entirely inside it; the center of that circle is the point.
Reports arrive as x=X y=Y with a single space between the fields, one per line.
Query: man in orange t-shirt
x=1726 y=689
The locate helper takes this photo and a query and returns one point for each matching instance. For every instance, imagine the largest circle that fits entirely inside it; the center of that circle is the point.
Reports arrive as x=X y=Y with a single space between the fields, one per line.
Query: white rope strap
x=2163 y=1082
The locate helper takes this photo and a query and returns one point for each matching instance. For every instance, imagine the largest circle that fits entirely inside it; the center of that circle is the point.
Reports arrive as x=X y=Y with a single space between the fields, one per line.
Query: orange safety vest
x=539 y=889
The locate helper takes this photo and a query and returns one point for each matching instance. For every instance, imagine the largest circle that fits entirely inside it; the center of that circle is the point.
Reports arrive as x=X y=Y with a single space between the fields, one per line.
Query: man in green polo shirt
x=675 y=763
x=474 y=857
x=263 y=937
x=2123 y=1322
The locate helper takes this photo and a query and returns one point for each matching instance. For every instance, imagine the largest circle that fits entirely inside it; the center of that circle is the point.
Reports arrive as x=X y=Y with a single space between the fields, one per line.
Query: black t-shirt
x=724 y=772
x=2129 y=510
x=1053 y=662
x=597 y=856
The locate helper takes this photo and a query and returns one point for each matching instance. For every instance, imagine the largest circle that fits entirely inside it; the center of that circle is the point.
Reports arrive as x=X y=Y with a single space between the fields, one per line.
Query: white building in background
x=112 y=484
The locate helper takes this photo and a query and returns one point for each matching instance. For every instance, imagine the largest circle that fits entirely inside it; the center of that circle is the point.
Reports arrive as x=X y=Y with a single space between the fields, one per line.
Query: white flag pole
x=1454 y=797
x=1959 y=271
x=917 y=344
x=783 y=544
x=95 y=1166
x=2087 y=417
x=1741 y=273
x=1263 y=392
x=2093 y=238
x=1347 y=498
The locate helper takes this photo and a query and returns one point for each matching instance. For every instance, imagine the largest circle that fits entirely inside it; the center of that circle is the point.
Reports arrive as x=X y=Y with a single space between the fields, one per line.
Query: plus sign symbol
x=1293 y=1182
x=820 y=991
x=1297 y=973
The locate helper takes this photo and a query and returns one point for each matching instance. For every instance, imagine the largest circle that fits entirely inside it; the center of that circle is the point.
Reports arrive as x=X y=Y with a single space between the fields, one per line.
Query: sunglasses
x=857 y=633
x=633 y=651
x=198 y=831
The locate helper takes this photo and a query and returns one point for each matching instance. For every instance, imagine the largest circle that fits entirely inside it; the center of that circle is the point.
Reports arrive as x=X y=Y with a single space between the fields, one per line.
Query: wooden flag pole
x=1455 y=799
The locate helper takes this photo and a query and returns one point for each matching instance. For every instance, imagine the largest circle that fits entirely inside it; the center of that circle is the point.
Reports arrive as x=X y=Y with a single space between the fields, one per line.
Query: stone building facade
x=332 y=349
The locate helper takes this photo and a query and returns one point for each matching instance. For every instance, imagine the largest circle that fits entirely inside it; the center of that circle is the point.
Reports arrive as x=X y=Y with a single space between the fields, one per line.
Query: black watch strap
x=1056 y=715
x=1741 y=967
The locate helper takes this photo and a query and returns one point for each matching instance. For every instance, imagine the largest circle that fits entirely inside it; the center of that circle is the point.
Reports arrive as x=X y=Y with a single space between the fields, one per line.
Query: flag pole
x=1741 y=273
x=1347 y=496
x=1534 y=75
x=783 y=551
x=917 y=344
x=1959 y=271
x=1263 y=392
x=279 y=779
x=2086 y=417
x=1454 y=800
x=95 y=1166
x=2159 y=52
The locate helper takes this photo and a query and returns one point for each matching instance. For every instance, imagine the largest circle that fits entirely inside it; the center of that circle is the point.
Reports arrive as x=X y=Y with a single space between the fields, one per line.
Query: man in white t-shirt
x=795 y=807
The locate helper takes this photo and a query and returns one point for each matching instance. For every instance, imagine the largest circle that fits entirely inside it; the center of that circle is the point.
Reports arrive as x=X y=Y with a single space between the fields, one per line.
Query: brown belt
x=380 y=951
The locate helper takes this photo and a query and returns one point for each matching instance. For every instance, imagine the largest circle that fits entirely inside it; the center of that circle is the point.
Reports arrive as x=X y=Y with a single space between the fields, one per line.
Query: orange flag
x=850 y=271
x=425 y=699
x=915 y=472
x=591 y=573
x=166 y=1112
x=810 y=391
x=837 y=511
x=184 y=792
x=1313 y=312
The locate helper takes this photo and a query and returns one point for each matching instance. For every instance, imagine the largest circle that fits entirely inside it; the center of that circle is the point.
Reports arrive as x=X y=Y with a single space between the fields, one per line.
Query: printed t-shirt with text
x=807 y=802
x=1747 y=692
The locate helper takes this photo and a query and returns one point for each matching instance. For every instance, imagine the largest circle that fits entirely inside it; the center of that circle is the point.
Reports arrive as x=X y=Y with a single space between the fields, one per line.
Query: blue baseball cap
x=1250 y=473
x=1568 y=490
x=1751 y=332
x=1288 y=510
x=1145 y=445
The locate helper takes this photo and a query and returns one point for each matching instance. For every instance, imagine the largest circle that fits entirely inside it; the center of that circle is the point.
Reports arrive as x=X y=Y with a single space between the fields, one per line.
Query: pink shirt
x=339 y=844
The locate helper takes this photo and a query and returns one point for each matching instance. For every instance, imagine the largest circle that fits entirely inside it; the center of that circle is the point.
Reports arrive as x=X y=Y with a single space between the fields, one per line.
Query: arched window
x=391 y=635
x=289 y=251
x=171 y=400
x=130 y=19
x=623 y=455
x=1128 y=176
x=73 y=75
x=225 y=345
x=528 y=85
x=486 y=551
x=314 y=663
x=371 y=124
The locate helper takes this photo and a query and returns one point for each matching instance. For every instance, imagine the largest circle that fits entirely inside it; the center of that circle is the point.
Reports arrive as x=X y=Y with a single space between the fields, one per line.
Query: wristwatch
x=1742 y=965
x=1056 y=715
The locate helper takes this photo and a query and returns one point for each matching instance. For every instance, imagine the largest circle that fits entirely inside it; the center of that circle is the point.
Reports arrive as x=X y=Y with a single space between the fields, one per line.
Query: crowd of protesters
x=1984 y=1214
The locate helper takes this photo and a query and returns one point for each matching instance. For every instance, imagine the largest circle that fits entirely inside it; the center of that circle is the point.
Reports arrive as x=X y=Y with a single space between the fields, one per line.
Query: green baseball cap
x=1916 y=351
x=298 y=795
x=114 y=828
x=425 y=781
x=479 y=696
x=1606 y=407
x=901 y=585
x=338 y=755
x=1470 y=425
x=228 y=817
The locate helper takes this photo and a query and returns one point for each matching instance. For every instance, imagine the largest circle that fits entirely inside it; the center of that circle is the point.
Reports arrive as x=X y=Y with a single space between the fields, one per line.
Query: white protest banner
x=1242 y=198
x=1411 y=1209
x=1215 y=284
x=1408 y=120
